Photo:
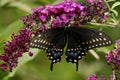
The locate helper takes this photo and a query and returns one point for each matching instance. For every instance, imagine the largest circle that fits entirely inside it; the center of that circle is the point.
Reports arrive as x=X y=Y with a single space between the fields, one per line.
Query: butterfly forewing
x=91 y=38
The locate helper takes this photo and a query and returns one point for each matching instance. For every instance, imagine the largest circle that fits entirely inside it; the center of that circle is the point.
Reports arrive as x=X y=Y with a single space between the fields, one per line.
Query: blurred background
x=37 y=67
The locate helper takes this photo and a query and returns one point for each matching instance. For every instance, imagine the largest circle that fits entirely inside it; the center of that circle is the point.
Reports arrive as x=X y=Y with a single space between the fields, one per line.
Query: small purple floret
x=92 y=77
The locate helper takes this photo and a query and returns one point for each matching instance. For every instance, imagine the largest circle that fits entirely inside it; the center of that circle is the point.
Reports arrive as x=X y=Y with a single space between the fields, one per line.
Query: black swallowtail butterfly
x=78 y=40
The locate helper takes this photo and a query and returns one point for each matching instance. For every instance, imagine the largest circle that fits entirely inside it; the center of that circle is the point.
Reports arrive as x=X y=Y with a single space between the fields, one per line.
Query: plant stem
x=114 y=75
x=116 y=22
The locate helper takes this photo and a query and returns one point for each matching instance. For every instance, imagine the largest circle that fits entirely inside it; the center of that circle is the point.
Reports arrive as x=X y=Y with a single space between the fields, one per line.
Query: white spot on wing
x=97 y=39
x=89 y=47
x=86 y=42
x=96 y=45
x=93 y=40
x=38 y=45
x=110 y=42
x=44 y=41
x=103 y=43
x=100 y=44
x=90 y=41
x=83 y=43
x=35 y=45
x=100 y=39
x=93 y=46
x=107 y=43
x=39 y=40
x=30 y=43
x=104 y=39
x=39 y=35
x=35 y=41
x=100 y=34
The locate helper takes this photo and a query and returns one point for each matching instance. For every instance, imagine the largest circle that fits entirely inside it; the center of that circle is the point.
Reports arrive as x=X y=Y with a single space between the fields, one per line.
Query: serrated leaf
x=115 y=12
x=24 y=59
x=115 y=5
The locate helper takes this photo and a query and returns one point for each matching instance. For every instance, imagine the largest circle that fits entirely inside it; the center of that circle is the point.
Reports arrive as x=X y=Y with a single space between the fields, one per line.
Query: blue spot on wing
x=75 y=55
x=54 y=55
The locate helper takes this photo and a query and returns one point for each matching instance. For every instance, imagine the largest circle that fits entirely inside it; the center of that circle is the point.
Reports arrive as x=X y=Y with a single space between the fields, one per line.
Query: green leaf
x=13 y=27
x=115 y=12
x=5 y=34
x=115 y=5
x=3 y=2
x=21 y=6
x=58 y=1
x=24 y=59
x=110 y=0
x=105 y=50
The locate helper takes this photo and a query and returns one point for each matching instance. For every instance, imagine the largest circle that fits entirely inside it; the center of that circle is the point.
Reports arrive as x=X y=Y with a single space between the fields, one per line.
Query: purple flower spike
x=118 y=60
x=65 y=18
x=15 y=49
x=69 y=0
x=109 y=57
x=92 y=77
x=43 y=18
x=56 y=22
x=111 y=77
x=118 y=43
x=43 y=27
x=30 y=53
x=105 y=17
x=113 y=57
x=99 y=1
x=90 y=1
x=102 y=77
x=40 y=8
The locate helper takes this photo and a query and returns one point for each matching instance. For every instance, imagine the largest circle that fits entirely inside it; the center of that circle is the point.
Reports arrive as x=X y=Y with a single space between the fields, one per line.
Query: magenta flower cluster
x=94 y=77
x=113 y=57
x=65 y=14
x=15 y=49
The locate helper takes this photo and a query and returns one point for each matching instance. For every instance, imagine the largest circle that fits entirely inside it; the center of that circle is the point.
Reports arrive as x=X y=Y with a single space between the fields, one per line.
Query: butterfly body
x=78 y=40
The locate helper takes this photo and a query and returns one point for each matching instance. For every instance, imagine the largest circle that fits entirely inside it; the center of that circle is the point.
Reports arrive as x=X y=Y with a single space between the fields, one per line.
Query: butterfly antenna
x=51 y=66
x=76 y=66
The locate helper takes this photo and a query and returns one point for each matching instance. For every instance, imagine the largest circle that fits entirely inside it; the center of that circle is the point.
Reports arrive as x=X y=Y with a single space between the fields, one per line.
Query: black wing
x=82 y=39
x=52 y=41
